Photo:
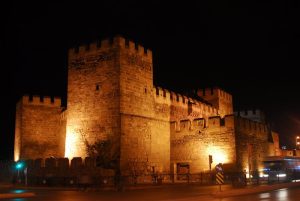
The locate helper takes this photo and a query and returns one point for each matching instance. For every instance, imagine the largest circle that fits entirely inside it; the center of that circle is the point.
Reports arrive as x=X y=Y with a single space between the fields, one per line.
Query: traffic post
x=219 y=175
x=220 y=179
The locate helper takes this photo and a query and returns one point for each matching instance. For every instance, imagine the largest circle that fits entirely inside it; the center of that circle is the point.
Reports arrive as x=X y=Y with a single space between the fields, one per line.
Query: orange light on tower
x=298 y=142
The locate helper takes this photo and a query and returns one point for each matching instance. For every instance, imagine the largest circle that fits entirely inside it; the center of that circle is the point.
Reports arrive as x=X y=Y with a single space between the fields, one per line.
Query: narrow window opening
x=97 y=87
x=222 y=122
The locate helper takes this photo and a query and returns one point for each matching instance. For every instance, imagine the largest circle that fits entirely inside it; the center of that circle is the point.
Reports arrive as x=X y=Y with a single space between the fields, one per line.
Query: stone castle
x=111 y=97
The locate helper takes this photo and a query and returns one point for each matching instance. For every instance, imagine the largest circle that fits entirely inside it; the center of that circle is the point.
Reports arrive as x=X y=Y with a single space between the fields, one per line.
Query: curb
x=257 y=189
x=16 y=195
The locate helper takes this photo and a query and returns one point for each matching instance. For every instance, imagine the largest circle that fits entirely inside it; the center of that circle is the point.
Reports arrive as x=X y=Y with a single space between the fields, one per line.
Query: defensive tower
x=218 y=98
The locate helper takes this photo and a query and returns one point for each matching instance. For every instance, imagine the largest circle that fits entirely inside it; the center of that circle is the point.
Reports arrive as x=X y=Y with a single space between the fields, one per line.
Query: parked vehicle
x=281 y=168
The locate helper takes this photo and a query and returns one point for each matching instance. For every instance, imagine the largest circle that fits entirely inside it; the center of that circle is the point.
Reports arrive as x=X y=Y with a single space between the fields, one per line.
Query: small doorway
x=183 y=170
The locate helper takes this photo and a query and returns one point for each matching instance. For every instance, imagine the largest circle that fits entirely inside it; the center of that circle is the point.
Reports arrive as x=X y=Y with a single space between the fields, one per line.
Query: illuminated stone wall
x=219 y=99
x=40 y=128
x=93 y=96
x=275 y=150
x=145 y=138
x=111 y=96
x=193 y=140
x=197 y=131
x=252 y=143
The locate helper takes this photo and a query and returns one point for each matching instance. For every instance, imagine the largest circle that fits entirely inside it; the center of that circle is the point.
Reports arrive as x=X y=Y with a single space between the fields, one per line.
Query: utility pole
x=210 y=158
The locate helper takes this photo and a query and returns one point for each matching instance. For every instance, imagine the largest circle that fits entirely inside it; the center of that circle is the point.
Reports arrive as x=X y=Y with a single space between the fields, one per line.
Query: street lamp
x=20 y=165
x=298 y=142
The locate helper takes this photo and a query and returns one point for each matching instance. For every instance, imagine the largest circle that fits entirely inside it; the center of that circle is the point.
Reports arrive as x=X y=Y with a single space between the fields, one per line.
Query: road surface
x=186 y=193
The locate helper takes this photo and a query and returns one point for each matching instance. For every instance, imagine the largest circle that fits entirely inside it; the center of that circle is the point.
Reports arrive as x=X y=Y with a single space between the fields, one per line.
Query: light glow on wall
x=71 y=145
x=17 y=154
x=219 y=155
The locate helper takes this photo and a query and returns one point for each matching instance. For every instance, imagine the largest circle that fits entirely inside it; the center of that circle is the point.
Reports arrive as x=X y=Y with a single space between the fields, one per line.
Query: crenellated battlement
x=255 y=115
x=115 y=42
x=200 y=123
x=41 y=100
x=214 y=91
x=183 y=100
x=191 y=106
x=251 y=127
x=248 y=112
x=160 y=92
x=218 y=98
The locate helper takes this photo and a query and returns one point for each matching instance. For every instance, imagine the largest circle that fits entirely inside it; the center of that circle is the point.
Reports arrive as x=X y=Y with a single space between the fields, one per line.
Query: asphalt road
x=187 y=193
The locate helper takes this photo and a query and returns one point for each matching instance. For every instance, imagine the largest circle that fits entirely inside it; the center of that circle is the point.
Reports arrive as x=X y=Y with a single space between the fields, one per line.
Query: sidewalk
x=16 y=195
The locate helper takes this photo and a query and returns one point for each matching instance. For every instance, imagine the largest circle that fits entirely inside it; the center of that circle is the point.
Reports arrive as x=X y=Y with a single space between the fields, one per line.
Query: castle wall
x=192 y=142
x=195 y=132
x=255 y=115
x=276 y=151
x=123 y=109
x=219 y=99
x=145 y=128
x=93 y=97
x=39 y=128
x=251 y=144
x=145 y=145
x=111 y=97
x=18 y=131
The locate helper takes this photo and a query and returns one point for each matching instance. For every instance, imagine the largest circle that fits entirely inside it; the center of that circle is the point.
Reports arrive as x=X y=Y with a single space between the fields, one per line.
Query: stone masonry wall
x=18 y=131
x=192 y=142
x=93 y=97
x=39 y=128
x=219 y=99
x=145 y=130
x=252 y=144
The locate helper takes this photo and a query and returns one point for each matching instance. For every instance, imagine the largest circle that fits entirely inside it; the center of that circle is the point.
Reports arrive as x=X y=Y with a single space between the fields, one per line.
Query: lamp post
x=210 y=159
x=297 y=142
x=21 y=166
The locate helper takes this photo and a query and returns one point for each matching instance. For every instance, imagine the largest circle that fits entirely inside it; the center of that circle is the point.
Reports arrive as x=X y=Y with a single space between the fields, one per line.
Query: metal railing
x=77 y=177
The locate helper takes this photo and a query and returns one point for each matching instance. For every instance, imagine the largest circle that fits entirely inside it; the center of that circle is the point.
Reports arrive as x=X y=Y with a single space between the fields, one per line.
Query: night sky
x=249 y=49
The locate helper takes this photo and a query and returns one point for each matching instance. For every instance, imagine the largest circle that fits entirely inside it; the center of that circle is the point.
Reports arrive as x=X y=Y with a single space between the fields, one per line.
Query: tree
x=104 y=151
x=137 y=167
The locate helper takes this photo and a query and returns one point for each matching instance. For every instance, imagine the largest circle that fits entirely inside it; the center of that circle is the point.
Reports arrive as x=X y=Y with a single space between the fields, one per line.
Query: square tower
x=219 y=99
x=111 y=98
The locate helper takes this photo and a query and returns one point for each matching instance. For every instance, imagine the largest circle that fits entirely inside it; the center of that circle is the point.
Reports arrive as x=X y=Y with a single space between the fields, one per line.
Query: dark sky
x=250 y=49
